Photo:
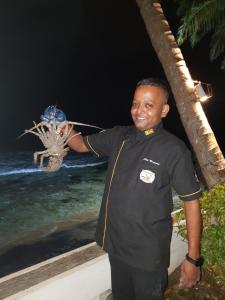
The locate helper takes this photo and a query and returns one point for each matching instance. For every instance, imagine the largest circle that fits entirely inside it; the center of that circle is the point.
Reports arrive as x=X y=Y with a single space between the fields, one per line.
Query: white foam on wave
x=83 y=165
x=20 y=171
x=33 y=170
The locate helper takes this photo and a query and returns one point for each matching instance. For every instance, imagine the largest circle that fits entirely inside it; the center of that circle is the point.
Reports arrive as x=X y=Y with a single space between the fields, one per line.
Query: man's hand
x=190 y=275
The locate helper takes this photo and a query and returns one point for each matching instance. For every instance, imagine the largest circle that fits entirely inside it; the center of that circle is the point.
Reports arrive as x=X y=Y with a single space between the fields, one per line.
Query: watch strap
x=197 y=262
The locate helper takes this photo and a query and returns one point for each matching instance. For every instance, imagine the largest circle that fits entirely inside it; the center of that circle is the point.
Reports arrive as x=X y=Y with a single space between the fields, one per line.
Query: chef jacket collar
x=146 y=134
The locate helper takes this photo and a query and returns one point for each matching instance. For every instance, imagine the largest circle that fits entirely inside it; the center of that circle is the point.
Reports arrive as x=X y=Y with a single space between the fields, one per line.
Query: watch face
x=199 y=262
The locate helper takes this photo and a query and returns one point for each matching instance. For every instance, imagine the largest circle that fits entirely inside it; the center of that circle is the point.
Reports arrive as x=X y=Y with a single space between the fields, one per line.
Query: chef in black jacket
x=134 y=225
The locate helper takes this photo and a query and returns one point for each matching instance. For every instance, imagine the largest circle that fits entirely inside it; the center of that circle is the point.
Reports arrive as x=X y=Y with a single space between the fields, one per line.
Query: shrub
x=213 y=232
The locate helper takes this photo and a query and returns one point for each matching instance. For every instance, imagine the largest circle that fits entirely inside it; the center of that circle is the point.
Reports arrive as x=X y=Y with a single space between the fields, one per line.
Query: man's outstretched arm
x=76 y=142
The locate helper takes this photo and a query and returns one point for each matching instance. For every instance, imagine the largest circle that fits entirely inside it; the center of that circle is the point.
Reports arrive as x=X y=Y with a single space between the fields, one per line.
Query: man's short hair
x=157 y=83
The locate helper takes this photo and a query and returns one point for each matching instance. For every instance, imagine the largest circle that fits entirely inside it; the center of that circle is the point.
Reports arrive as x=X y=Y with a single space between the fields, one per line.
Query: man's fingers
x=185 y=283
x=183 y=280
x=181 y=285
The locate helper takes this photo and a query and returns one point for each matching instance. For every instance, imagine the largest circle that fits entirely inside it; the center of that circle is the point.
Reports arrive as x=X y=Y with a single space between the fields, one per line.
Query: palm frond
x=200 y=19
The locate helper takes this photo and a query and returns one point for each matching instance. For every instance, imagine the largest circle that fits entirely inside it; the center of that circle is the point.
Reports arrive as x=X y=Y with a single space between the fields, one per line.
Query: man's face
x=148 y=107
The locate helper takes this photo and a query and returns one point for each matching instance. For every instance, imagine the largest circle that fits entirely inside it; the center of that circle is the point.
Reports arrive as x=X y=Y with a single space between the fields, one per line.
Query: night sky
x=86 y=57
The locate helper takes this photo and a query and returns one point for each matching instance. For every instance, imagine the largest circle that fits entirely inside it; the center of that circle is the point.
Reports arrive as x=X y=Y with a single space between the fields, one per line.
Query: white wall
x=178 y=250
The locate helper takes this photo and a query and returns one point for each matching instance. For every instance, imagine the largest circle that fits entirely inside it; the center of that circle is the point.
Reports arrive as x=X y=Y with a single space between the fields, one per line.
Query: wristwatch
x=197 y=262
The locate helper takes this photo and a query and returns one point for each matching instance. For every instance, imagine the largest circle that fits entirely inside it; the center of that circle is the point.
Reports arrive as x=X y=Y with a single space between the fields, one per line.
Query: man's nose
x=140 y=108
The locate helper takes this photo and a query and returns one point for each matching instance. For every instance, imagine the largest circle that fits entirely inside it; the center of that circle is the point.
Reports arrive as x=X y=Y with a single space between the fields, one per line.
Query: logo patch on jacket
x=147 y=176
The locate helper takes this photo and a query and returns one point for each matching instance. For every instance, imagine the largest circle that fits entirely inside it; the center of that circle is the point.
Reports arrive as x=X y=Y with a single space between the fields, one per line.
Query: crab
x=54 y=132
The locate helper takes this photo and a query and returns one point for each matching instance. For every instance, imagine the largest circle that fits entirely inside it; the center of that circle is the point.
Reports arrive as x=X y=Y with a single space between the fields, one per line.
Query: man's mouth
x=140 y=118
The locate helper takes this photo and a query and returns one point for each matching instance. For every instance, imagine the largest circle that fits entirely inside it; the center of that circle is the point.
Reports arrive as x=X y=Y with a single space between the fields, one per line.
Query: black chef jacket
x=135 y=223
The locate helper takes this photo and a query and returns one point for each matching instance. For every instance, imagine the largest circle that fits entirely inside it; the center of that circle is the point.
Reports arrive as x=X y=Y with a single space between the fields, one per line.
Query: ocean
x=43 y=214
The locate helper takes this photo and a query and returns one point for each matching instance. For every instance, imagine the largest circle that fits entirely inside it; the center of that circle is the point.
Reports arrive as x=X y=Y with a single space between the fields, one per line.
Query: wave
x=21 y=171
x=84 y=165
x=34 y=170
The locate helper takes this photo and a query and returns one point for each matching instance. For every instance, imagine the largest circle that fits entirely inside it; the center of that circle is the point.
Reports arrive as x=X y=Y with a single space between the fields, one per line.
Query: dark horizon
x=86 y=58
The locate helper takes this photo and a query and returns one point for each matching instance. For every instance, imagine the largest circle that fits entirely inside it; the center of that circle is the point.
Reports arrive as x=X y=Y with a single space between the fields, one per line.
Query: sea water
x=43 y=214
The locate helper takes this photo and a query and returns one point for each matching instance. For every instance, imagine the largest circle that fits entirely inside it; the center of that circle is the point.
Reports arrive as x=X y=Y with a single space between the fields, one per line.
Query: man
x=134 y=225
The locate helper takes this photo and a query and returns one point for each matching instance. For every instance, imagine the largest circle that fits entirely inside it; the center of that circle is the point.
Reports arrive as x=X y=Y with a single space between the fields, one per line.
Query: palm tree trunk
x=199 y=132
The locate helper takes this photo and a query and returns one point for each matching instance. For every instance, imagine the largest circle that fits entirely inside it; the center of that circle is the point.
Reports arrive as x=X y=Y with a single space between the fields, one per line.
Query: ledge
x=22 y=280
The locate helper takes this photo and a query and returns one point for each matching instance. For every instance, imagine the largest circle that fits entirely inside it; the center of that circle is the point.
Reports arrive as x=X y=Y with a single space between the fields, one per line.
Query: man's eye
x=148 y=106
x=134 y=104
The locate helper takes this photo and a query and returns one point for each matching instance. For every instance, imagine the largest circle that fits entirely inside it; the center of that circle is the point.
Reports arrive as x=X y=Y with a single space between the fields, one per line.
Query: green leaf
x=200 y=18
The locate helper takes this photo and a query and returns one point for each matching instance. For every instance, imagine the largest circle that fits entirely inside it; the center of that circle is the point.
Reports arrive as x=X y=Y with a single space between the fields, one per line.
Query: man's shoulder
x=119 y=131
x=173 y=143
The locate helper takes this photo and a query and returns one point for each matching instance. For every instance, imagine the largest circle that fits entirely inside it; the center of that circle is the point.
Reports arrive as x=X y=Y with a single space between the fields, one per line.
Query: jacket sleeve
x=184 y=178
x=101 y=144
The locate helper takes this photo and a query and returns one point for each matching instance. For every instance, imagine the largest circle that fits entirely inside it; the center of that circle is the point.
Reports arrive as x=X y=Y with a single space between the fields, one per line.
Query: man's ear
x=165 y=110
